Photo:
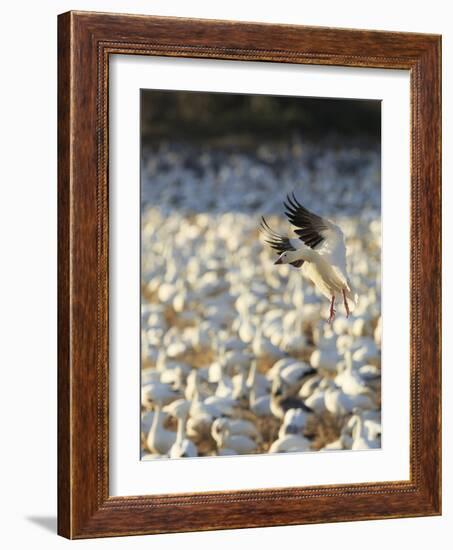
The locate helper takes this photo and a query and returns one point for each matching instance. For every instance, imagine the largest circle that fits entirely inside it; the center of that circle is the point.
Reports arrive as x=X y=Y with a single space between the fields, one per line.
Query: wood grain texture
x=86 y=40
x=64 y=367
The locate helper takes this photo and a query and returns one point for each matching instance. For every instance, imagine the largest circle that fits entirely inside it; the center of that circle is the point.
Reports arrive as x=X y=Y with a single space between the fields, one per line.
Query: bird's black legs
x=345 y=302
x=332 y=309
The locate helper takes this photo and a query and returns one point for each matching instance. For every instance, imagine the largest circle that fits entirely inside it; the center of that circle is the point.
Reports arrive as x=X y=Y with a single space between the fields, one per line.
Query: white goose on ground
x=293 y=371
x=343 y=442
x=259 y=398
x=193 y=385
x=290 y=444
x=241 y=444
x=182 y=447
x=163 y=363
x=224 y=382
x=309 y=386
x=240 y=388
x=277 y=367
x=319 y=249
x=157 y=392
x=200 y=407
x=296 y=374
x=340 y=403
x=246 y=329
x=349 y=379
x=159 y=439
x=293 y=422
x=262 y=346
x=361 y=439
x=371 y=422
x=294 y=339
x=236 y=426
x=224 y=405
x=257 y=380
x=316 y=399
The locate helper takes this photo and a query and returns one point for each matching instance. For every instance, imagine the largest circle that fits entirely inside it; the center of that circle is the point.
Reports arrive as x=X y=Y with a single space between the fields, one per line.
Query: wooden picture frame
x=85 y=42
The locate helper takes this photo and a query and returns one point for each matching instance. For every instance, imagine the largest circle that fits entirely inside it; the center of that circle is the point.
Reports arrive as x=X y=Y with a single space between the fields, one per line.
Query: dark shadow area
x=49 y=523
x=208 y=116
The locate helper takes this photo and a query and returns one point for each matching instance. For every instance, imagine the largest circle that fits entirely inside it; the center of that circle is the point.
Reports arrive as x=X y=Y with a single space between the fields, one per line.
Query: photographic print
x=260 y=274
x=220 y=260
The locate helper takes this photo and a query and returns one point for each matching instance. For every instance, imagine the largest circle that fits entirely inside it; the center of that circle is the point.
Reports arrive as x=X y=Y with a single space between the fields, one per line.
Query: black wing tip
x=290 y=214
x=264 y=226
x=264 y=223
x=296 y=202
x=288 y=203
x=292 y=203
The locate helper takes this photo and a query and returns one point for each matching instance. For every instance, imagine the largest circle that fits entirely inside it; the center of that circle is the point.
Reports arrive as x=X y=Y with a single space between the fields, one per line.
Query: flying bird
x=319 y=251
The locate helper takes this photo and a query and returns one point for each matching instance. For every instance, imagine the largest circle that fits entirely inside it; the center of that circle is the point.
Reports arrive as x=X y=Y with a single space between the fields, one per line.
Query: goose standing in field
x=237 y=426
x=290 y=443
x=182 y=447
x=262 y=346
x=293 y=422
x=224 y=382
x=316 y=399
x=194 y=384
x=349 y=379
x=339 y=403
x=239 y=443
x=259 y=398
x=157 y=392
x=361 y=439
x=255 y=378
x=319 y=250
x=159 y=440
x=309 y=386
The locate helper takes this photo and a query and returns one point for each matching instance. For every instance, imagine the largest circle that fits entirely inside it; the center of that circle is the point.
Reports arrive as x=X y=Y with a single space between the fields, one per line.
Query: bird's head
x=284 y=258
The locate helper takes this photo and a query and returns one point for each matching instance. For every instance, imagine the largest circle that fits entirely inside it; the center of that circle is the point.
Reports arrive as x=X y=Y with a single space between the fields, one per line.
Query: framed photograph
x=249 y=275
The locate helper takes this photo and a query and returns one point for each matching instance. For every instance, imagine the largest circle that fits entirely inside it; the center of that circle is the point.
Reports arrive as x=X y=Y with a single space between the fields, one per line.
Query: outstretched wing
x=320 y=234
x=278 y=242
x=310 y=226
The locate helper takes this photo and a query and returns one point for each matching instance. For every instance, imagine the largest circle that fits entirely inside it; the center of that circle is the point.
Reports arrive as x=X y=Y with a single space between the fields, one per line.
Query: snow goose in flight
x=319 y=250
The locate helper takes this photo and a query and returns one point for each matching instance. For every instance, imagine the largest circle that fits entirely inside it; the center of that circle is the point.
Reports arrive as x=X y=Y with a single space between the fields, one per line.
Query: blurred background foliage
x=199 y=116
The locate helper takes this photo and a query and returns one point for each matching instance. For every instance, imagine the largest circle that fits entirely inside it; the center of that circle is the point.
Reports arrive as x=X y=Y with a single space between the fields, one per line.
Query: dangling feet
x=332 y=310
x=345 y=302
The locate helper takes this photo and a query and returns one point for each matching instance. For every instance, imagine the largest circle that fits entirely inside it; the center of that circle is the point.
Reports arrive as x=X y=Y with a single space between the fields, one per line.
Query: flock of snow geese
x=242 y=356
